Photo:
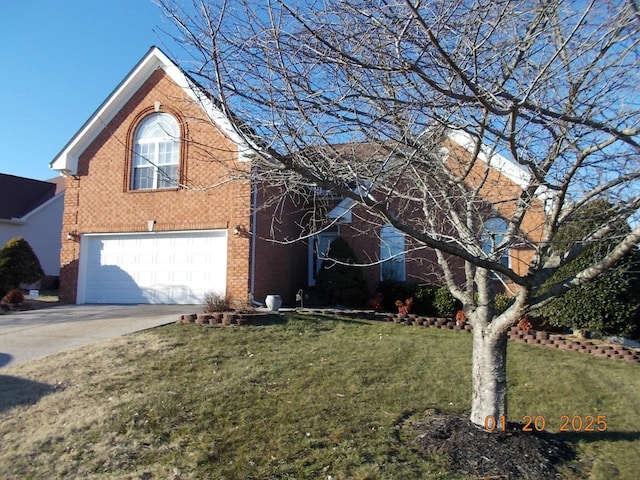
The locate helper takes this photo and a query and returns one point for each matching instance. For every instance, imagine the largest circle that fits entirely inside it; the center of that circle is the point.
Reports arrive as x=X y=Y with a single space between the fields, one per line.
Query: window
x=493 y=234
x=393 y=265
x=156 y=153
x=318 y=250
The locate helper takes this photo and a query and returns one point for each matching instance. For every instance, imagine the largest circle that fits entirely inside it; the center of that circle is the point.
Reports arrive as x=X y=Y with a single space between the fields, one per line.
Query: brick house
x=392 y=255
x=157 y=210
x=132 y=232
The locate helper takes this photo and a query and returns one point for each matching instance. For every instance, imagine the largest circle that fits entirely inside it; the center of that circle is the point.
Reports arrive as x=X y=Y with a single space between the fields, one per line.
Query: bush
x=14 y=297
x=216 y=302
x=18 y=264
x=340 y=283
x=445 y=303
x=502 y=302
x=608 y=305
x=424 y=297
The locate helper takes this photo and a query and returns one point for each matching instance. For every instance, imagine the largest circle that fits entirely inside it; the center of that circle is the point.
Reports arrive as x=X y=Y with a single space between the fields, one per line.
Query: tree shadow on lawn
x=606 y=436
x=5 y=358
x=15 y=391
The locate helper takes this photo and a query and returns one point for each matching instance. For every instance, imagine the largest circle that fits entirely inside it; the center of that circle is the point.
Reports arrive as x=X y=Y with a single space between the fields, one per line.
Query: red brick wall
x=280 y=266
x=99 y=199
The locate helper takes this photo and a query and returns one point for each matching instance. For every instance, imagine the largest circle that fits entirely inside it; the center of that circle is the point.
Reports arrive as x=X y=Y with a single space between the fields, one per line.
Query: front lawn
x=307 y=398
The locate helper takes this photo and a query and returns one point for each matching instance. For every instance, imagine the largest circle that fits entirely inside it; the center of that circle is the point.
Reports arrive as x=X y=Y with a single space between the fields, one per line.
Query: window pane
x=143 y=155
x=493 y=234
x=168 y=176
x=158 y=125
x=142 y=178
x=392 y=248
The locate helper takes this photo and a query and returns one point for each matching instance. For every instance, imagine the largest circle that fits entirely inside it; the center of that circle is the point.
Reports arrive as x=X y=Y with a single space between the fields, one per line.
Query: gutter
x=13 y=221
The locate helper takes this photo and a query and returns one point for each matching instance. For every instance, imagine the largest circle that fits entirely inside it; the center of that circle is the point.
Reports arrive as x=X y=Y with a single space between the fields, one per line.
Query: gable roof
x=66 y=162
x=19 y=196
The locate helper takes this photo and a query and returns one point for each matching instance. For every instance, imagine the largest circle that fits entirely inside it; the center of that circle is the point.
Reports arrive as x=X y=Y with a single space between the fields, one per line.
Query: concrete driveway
x=33 y=334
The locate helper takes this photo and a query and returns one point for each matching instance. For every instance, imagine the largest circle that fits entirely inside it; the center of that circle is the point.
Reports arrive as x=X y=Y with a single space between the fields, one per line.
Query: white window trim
x=156 y=141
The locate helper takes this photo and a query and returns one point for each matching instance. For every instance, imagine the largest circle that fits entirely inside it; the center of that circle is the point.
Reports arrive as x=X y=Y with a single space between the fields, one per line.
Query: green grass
x=308 y=398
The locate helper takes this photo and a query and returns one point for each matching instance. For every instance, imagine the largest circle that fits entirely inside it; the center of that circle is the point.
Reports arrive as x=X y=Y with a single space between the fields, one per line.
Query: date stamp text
x=575 y=423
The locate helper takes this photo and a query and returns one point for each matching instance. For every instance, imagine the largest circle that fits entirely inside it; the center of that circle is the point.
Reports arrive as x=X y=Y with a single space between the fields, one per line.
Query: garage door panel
x=152 y=268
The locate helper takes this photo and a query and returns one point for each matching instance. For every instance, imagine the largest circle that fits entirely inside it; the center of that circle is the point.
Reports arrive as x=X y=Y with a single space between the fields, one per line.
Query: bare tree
x=550 y=85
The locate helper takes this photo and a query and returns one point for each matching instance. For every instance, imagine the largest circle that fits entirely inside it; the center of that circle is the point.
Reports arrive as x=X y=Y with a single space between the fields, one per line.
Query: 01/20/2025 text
x=575 y=423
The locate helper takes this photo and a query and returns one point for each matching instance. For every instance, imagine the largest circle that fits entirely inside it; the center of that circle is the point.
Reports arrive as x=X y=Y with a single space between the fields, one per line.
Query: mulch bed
x=461 y=446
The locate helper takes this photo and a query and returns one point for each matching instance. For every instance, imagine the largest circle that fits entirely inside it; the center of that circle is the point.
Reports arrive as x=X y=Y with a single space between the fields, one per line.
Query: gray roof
x=19 y=195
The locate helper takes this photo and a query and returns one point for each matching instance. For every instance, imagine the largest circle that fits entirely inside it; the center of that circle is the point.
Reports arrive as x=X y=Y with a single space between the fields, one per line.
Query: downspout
x=252 y=255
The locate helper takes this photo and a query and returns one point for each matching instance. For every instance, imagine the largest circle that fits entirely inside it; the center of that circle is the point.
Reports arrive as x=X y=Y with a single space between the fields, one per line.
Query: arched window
x=156 y=147
x=493 y=234
x=392 y=254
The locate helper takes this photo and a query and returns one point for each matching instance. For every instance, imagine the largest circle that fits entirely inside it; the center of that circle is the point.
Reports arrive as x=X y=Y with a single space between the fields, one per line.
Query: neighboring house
x=151 y=214
x=32 y=209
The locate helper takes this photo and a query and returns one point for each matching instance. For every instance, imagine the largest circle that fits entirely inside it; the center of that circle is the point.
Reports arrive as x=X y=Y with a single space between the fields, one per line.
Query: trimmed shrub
x=339 y=282
x=393 y=290
x=18 y=264
x=609 y=304
x=424 y=297
x=445 y=303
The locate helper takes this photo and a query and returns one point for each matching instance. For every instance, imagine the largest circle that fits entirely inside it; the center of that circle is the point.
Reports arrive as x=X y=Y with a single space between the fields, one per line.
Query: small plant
x=14 y=297
x=404 y=307
x=217 y=302
x=461 y=317
x=243 y=306
x=525 y=323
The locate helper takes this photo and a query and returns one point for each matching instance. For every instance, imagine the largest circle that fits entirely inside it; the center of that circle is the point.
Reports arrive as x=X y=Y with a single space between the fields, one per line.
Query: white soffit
x=494 y=160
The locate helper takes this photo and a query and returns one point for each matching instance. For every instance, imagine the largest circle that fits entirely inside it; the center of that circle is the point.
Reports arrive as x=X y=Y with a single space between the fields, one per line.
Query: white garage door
x=169 y=268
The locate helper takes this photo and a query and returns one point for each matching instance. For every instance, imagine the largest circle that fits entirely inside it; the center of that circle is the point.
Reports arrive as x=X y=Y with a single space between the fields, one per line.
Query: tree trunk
x=489 y=377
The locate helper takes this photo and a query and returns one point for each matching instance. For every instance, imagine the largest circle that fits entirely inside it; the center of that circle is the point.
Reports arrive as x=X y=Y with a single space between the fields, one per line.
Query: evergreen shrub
x=18 y=265
x=339 y=282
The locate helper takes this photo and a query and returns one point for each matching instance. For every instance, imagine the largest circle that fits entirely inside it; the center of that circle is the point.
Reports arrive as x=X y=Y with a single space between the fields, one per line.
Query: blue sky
x=60 y=59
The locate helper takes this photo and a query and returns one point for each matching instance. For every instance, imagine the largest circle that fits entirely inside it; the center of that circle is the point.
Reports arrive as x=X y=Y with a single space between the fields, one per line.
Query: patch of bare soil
x=462 y=447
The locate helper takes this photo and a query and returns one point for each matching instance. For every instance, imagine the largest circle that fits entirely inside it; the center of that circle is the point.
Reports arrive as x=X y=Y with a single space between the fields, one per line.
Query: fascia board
x=342 y=210
x=199 y=97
